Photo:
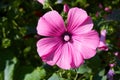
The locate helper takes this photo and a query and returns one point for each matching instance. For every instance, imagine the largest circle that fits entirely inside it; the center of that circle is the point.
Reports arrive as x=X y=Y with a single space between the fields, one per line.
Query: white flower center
x=66 y=37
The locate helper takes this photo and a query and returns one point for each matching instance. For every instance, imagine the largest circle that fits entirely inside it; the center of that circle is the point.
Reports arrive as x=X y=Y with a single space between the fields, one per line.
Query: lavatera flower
x=66 y=45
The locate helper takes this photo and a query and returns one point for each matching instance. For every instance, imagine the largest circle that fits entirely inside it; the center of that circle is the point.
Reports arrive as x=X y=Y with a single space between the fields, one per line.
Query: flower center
x=66 y=37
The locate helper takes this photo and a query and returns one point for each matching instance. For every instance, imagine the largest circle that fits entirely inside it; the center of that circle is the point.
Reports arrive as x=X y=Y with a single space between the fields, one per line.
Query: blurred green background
x=19 y=59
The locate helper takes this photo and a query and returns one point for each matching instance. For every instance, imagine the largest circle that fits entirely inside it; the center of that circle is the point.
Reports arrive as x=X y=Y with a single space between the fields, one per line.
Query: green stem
x=50 y=7
x=91 y=77
x=3 y=31
x=76 y=76
x=102 y=22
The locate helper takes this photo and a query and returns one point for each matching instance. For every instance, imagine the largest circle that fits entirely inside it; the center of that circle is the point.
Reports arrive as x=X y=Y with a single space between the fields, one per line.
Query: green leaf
x=100 y=76
x=95 y=64
x=104 y=78
x=102 y=72
x=6 y=42
x=37 y=74
x=9 y=69
x=54 y=77
x=83 y=69
x=2 y=75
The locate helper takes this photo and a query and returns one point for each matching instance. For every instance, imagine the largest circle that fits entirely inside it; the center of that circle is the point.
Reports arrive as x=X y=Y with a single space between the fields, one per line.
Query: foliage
x=19 y=59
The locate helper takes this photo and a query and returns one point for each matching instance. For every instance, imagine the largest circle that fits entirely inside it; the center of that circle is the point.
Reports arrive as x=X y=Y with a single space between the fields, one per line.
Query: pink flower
x=100 y=6
x=66 y=8
x=41 y=1
x=112 y=65
x=107 y=9
x=97 y=14
x=117 y=54
x=66 y=46
x=102 y=45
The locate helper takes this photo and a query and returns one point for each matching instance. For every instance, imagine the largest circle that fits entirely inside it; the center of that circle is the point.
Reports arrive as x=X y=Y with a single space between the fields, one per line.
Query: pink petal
x=87 y=52
x=41 y=1
x=90 y=39
x=49 y=49
x=78 y=19
x=51 y=24
x=85 y=27
x=77 y=58
x=70 y=58
x=103 y=48
x=65 y=58
x=87 y=43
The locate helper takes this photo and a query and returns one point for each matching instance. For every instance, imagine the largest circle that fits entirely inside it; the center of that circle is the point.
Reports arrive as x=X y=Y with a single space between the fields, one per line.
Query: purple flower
x=66 y=45
x=102 y=45
x=110 y=74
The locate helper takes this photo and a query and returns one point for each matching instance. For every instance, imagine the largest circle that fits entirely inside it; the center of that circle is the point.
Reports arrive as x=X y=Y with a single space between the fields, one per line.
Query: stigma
x=66 y=37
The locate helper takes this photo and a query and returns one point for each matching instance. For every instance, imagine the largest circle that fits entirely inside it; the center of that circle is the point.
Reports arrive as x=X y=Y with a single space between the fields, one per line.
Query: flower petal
x=65 y=58
x=77 y=58
x=49 y=49
x=78 y=18
x=87 y=52
x=85 y=27
x=90 y=39
x=70 y=58
x=41 y=1
x=87 y=44
x=51 y=24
